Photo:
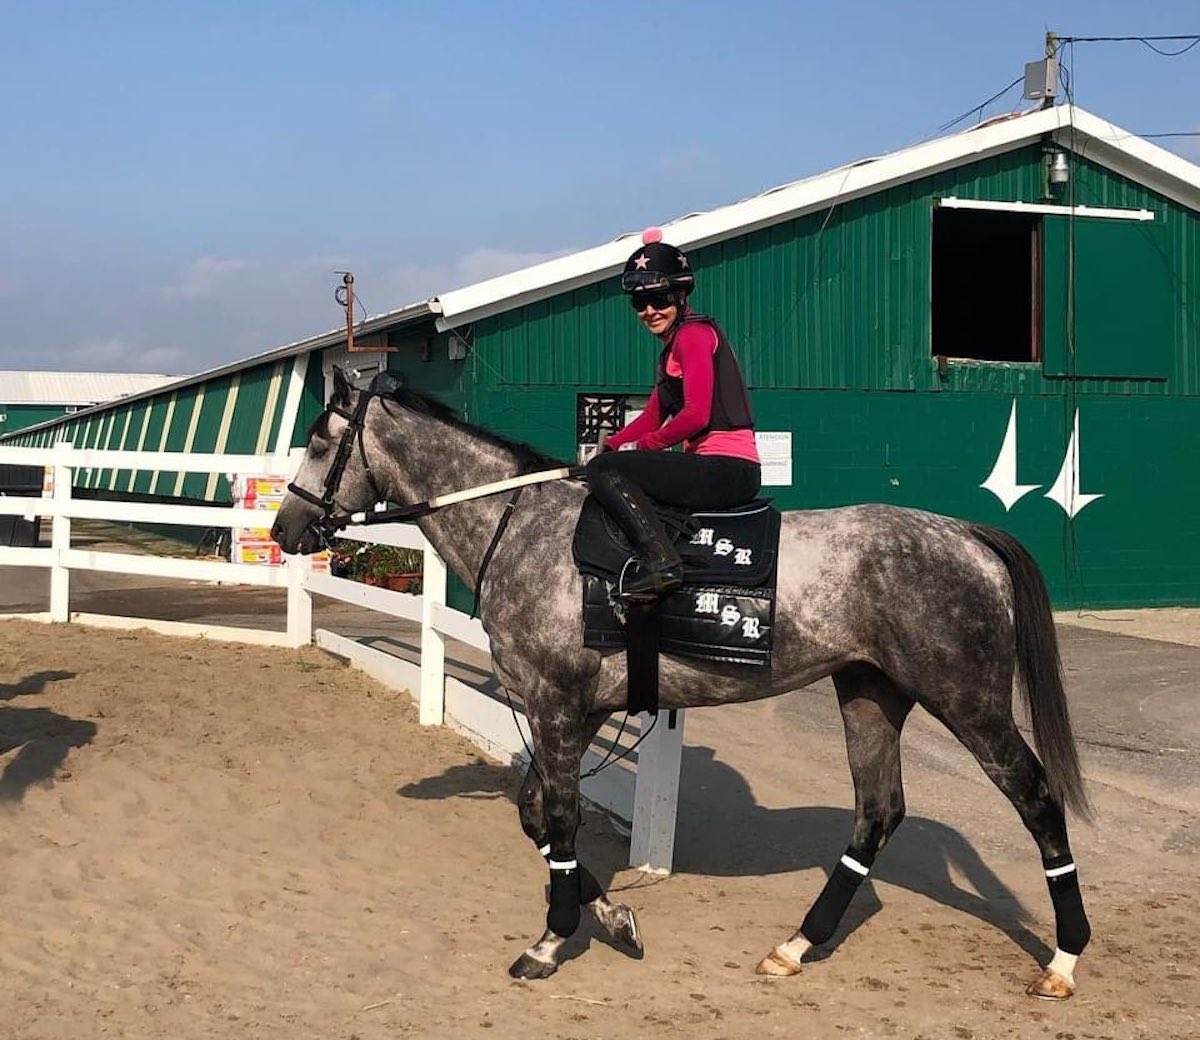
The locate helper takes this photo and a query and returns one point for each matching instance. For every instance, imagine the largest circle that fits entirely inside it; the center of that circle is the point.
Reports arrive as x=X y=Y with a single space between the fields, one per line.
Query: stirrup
x=650 y=583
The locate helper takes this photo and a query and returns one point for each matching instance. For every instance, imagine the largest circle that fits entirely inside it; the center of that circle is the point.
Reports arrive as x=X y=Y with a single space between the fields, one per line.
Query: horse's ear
x=341 y=387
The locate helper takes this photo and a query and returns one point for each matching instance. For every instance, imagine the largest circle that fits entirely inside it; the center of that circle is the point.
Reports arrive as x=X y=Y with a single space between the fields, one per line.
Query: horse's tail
x=1040 y=670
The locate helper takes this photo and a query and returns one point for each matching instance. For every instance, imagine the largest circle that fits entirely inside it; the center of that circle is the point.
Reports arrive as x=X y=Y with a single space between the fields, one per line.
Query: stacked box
x=254 y=545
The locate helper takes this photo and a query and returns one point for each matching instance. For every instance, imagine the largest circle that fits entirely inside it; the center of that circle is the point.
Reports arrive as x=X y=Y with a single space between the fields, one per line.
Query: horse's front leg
x=617 y=919
x=558 y=728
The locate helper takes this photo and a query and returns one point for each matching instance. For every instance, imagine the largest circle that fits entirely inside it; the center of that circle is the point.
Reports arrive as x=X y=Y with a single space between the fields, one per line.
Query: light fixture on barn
x=1060 y=168
x=1056 y=170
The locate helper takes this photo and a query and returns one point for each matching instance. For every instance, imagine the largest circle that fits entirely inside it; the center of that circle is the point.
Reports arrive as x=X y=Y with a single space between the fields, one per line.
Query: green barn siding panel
x=20 y=416
x=154 y=429
x=1134 y=546
x=440 y=378
x=543 y=417
x=1114 y=316
x=212 y=408
x=109 y=439
x=185 y=404
x=93 y=437
x=312 y=400
x=253 y=397
x=837 y=299
x=1095 y=186
x=277 y=412
x=132 y=437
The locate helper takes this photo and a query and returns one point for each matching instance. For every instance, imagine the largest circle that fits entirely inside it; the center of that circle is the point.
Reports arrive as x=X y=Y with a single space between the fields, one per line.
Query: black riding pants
x=685 y=479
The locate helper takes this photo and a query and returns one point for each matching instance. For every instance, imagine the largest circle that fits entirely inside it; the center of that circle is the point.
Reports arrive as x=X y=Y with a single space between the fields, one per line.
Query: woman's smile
x=657 y=321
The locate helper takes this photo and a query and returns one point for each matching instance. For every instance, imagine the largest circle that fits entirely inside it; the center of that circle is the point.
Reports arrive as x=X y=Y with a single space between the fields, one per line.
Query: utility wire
x=975 y=108
x=1149 y=41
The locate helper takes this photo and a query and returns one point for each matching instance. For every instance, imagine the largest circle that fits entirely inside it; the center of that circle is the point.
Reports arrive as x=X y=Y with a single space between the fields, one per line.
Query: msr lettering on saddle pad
x=725 y=610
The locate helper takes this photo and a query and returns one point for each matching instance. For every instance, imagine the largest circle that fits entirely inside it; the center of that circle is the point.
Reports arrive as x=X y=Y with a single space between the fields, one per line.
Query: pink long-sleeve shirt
x=692 y=356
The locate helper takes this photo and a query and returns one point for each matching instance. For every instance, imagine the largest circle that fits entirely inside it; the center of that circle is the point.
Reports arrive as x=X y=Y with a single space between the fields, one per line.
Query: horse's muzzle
x=311 y=539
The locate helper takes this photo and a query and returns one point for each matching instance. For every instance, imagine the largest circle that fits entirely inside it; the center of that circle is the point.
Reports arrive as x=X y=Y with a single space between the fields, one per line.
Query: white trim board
x=1049 y=208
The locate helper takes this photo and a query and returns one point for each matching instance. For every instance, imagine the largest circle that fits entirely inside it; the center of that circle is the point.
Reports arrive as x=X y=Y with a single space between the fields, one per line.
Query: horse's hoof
x=778 y=964
x=1050 y=985
x=623 y=927
x=527 y=967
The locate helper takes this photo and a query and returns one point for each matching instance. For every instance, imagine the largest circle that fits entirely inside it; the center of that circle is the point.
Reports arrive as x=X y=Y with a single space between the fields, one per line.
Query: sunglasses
x=659 y=301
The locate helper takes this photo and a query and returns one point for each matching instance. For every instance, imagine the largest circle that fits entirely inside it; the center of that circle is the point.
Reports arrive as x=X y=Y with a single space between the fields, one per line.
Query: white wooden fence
x=642 y=789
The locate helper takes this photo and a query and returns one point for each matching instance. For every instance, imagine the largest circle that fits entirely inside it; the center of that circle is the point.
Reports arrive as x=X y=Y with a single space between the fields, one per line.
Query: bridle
x=331 y=521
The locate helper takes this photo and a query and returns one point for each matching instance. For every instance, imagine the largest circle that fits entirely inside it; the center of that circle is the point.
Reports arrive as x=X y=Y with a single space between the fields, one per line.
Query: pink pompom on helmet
x=656 y=266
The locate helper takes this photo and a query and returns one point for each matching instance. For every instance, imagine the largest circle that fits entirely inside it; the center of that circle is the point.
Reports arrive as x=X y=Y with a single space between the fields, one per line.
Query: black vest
x=730 y=403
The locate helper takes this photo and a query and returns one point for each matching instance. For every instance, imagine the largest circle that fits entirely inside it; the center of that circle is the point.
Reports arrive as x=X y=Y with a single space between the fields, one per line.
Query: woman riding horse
x=699 y=400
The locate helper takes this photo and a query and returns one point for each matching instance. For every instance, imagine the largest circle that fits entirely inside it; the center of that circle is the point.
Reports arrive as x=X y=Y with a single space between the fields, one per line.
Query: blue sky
x=178 y=181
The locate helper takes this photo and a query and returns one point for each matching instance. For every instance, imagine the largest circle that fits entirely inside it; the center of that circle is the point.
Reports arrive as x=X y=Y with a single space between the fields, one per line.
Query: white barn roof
x=74 y=388
x=1071 y=126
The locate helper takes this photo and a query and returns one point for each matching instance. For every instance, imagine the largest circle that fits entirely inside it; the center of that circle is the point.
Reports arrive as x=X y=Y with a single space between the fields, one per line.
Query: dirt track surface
x=201 y=840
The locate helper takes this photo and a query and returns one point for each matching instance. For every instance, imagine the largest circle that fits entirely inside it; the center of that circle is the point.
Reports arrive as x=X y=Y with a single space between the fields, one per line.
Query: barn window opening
x=986 y=285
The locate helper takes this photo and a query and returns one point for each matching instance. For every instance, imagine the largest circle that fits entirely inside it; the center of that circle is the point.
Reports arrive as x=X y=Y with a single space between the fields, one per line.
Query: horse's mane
x=529 y=459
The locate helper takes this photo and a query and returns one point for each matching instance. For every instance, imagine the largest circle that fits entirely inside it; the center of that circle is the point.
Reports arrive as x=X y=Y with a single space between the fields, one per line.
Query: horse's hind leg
x=993 y=738
x=873 y=712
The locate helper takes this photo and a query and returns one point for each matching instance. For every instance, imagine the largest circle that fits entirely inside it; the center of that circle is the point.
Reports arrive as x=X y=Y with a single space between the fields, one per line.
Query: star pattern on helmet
x=641 y=262
x=682 y=260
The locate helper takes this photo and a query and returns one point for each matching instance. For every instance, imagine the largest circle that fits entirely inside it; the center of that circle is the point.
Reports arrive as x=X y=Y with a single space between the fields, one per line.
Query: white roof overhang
x=1094 y=138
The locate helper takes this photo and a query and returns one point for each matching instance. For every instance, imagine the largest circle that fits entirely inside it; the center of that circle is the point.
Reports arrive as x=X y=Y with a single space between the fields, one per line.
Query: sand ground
x=201 y=840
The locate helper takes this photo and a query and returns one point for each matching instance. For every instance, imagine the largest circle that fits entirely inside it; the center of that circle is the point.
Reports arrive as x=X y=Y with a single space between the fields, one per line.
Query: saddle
x=725 y=610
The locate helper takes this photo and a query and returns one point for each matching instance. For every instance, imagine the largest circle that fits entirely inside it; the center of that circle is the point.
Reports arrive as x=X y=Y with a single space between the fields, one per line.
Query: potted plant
x=386 y=566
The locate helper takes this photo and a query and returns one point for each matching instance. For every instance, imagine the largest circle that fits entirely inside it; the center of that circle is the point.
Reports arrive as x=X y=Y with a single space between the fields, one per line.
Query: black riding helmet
x=657 y=267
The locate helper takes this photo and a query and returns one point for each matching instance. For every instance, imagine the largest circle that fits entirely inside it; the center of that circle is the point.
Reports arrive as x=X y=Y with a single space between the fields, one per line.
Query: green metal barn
x=1001 y=325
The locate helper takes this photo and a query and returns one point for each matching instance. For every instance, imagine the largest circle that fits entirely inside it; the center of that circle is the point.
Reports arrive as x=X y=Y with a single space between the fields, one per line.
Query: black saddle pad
x=730 y=547
x=725 y=610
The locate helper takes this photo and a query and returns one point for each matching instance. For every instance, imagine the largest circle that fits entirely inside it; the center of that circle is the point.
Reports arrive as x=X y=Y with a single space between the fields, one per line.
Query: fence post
x=656 y=793
x=299 y=600
x=433 y=643
x=60 y=534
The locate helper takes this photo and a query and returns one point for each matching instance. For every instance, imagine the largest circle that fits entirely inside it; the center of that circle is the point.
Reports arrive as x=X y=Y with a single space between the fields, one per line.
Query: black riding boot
x=659 y=569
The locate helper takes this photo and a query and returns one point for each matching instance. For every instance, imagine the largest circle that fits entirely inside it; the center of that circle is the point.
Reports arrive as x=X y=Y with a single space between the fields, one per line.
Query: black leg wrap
x=822 y=920
x=1072 y=931
x=589 y=887
x=563 y=917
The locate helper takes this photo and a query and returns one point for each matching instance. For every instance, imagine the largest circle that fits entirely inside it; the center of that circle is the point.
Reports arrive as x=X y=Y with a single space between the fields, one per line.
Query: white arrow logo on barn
x=1066 y=488
x=1002 y=481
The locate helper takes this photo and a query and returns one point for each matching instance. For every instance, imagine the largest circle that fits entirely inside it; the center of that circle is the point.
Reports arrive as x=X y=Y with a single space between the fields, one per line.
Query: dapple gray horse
x=900 y=607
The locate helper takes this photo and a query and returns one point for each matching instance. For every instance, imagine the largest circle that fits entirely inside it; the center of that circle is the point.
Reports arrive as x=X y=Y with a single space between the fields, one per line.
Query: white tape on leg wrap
x=1059 y=871
x=853 y=864
x=1064 y=964
x=564 y=864
x=544 y=851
